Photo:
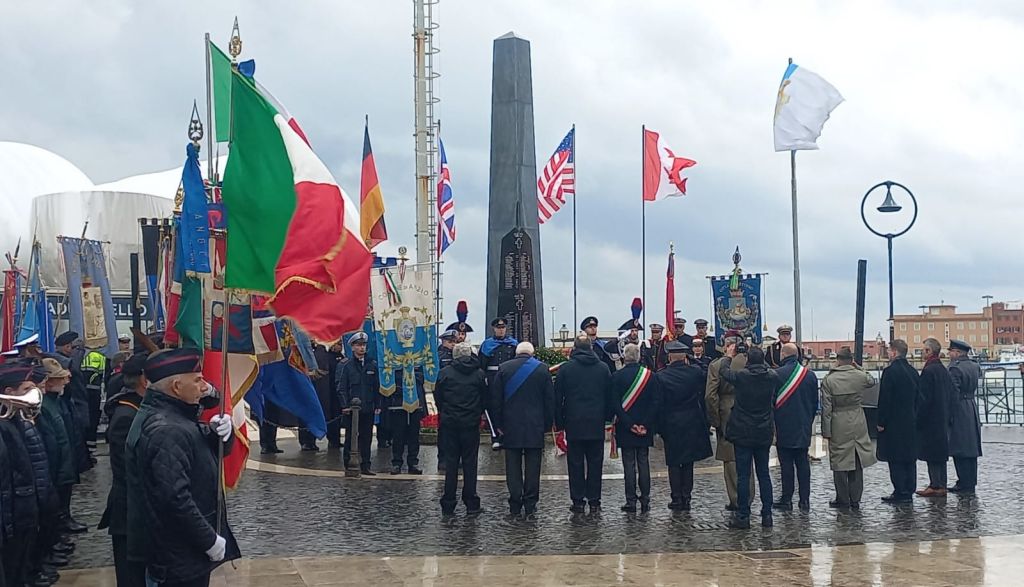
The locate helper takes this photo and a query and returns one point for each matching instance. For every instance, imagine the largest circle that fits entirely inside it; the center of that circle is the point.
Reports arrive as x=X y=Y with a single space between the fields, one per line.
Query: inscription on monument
x=516 y=299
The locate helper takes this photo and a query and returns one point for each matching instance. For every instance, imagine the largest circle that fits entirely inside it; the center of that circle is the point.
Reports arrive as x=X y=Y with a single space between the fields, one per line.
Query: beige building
x=944 y=323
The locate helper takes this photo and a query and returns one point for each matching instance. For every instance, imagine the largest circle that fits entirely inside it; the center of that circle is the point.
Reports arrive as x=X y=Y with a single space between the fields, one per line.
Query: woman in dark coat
x=932 y=419
x=898 y=401
x=684 y=424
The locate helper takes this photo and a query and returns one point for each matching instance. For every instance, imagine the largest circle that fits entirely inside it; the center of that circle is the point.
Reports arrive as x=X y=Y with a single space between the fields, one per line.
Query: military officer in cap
x=683 y=423
x=497 y=349
x=774 y=355
x=589 y=326
x=460 y=326
x=679 y=331
x=964 y=425
x=653 y=349
x=710 y=350
x=173 y=476
x=444 y=350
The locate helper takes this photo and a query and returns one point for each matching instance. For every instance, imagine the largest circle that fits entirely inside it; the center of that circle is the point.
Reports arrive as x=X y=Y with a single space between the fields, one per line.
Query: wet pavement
x=277 y=515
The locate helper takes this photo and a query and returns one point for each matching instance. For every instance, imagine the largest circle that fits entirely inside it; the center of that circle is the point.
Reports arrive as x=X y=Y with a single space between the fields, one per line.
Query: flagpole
x=575 y=320
x=643 y=229
x=796 y=251
x=209 y=117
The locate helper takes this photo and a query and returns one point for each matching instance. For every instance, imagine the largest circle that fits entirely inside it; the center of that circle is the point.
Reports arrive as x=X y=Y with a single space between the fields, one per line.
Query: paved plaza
x=299 y=521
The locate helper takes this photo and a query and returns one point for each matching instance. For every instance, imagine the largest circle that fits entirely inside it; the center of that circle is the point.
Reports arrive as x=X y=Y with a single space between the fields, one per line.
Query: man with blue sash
x=522 y=411
x=497 y=349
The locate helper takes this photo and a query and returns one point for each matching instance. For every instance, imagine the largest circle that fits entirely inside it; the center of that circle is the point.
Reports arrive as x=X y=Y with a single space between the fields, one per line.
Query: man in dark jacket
x=898 y=401
x=933 y=419
x=522 y=411
x=405 y=425
x=964 y=424
x=60 y=436
x=21 y=509
x=652 y=352
x=635 y=399
x=497 y=349
x=359 y=380
x=750 y=430
x=444 y=358
x=325 y=380
x=460 y=394
x=173 y=476
x=76 y=397
x=683 y=423
x=589 y=325
x=121 y=409
x=581 y=410
x=710 y=349
x=796 y=403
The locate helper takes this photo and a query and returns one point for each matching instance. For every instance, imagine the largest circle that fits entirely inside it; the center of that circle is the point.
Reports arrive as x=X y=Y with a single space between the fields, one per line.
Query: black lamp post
x=889 y=206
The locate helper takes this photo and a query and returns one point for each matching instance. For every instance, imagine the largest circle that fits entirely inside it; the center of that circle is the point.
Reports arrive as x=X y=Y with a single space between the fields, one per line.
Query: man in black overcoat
x=635 y=400
x=683 y=422
x=898 y=401
x=522 y=411
x=932 y=419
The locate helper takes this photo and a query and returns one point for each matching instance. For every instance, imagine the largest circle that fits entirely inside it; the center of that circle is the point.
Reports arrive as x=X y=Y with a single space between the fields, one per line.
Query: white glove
x=217 y=551
x=222 y=426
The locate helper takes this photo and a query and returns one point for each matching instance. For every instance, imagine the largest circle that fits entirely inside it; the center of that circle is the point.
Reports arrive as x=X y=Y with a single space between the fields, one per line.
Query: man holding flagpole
x=802 y=106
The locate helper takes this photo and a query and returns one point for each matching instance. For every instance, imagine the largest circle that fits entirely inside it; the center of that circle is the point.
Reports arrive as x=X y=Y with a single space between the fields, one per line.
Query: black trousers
x=636 y=466
x=903 y=475
x=937 y=474
x=759 y=456
x=95 y=399
x=405 y=438
x=966 y=472
x=680 y=482
x=203 y=581
x=334 y=432
x=442 y=463
x=523 y=485
x=795 y=460
x=129 y=573
x=306 y=438
x=383 y=428
x=268 y=436
x=365 y=440
x=16 y=554
x=461 y=446
x=585 y=459
x=64 y=497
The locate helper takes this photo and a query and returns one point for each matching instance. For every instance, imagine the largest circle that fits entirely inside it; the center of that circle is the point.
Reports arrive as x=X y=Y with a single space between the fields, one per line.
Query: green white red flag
x=292 y=231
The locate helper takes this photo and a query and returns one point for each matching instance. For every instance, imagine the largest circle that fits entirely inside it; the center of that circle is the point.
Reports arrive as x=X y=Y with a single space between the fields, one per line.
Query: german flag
x=371 y=202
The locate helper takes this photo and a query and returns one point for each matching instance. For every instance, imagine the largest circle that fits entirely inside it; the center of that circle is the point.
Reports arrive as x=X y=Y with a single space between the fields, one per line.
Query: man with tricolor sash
x=522 y=411
x=635 y=398
x=796 y=403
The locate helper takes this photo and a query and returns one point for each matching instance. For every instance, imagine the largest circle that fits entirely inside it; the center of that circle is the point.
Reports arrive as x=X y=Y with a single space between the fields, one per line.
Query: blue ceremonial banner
x=90 y=305
x=737 y=306
x=195 y=223
x=37 y=312
x=403 y=317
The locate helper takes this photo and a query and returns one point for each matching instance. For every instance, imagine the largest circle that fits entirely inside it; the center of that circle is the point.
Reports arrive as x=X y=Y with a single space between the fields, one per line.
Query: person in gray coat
x=844 y=426
x=964 y=425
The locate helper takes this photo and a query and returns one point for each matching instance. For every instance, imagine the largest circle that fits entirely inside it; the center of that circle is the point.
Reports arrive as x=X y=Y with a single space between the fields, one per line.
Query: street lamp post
x=552 y=323
x=889 y=206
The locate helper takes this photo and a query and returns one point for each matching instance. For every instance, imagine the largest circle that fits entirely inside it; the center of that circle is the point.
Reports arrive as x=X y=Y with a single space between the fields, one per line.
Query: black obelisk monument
x=513 y=237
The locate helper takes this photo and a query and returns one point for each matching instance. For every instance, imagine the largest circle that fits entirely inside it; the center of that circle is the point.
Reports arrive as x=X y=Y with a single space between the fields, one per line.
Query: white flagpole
x=796 y=248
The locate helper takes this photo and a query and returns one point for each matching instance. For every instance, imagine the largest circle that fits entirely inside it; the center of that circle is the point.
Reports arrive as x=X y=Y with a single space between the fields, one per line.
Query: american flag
x=557 y=179
x=445 y=205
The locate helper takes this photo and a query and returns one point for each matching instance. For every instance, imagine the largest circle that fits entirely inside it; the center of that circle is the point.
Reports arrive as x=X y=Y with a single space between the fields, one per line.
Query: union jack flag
x=557 y=179
x=445 y=205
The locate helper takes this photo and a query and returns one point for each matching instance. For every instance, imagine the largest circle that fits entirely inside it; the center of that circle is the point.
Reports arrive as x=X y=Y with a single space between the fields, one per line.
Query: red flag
x=7 y=310
x=244 y=369
x=670 y=293
x=660 y=161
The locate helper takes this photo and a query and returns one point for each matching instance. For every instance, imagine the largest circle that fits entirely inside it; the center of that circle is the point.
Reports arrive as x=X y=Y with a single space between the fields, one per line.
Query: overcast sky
x=933 y=94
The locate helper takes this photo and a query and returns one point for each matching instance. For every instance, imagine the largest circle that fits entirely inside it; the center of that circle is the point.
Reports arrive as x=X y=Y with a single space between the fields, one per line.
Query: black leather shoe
x=396 y=470
x=783 y=506
x=838 y=505
x=629 y=508
x=476 y=511
x=805 y=506
x=310 y=448
x=766 y=521
x=595 y=508
x=271 y=451
x=40 y=581
x=645 y=506
x=578 y=508
x=55 y=560
x=739 y=523
x=854 y=505
x=75 y=527
x=897 y=499
x=63 y=548
x=367 y=472
x=415 y=471
x=729 y=507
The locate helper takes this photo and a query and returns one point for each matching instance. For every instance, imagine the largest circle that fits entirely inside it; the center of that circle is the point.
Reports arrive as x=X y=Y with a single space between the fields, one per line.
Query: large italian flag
x=292 y=232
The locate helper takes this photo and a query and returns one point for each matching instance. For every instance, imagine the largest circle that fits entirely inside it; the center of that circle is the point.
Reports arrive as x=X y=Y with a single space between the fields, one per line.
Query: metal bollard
x=356 y=457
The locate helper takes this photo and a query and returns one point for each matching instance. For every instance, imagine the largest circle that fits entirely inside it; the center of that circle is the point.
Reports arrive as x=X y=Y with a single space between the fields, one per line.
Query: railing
x=1001 y=398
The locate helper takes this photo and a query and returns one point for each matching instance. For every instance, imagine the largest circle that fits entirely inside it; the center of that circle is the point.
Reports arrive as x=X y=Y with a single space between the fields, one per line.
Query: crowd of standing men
x=164 y=500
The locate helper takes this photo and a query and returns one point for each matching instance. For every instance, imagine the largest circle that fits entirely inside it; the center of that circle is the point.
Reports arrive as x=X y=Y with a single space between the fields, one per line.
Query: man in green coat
x=844 y=425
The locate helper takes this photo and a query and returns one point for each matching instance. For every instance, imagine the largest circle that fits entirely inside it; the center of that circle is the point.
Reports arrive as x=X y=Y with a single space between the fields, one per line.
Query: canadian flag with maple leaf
x=662 y=169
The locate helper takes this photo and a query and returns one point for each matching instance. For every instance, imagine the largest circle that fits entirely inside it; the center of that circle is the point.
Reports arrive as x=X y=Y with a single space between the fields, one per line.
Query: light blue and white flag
x=90 y=306
x=804 y=103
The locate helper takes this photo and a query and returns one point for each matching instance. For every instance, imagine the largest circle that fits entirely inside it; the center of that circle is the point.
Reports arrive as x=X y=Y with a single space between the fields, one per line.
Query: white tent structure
x=43 y=196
